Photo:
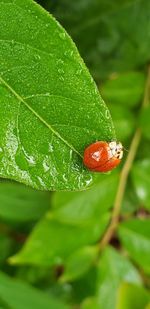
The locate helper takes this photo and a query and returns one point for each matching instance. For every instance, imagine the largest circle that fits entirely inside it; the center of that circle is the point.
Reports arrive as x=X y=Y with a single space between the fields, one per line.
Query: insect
x=103 y=156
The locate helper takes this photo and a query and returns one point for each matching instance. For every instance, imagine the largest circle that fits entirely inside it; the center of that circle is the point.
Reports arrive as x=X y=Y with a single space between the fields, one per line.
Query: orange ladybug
x=103 y=156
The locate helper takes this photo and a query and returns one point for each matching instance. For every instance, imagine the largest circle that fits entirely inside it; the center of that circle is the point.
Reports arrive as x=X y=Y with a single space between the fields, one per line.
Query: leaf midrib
x=38 y=116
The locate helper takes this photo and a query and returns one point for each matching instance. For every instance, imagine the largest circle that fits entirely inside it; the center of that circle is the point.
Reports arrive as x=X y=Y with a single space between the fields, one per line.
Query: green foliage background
x=51 y=253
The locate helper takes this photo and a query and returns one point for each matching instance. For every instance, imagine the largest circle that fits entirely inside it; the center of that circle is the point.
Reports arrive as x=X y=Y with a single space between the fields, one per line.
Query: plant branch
x=125 y=172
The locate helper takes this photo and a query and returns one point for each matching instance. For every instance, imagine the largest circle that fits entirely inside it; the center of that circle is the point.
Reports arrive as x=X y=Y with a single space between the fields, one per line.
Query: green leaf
x=113 y=270
x=19 y=295
x=148 y=306
x=52 y=241
x=135 y=237
x=126 y=89
x=141 y=181
x=50 y=106
x=77 y=219
x=80 y=207
x=79 y=263
x=21 y=204
x=110 y=46
x=144 y=122
x=124 y=121
x=132 y=297
x=3 y=306
x=130 y=203
x=5 y=247
x=90 y=303
x=85 y=287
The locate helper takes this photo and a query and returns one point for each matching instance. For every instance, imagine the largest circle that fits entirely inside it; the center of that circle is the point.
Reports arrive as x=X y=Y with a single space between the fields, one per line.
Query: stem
x=125 y=173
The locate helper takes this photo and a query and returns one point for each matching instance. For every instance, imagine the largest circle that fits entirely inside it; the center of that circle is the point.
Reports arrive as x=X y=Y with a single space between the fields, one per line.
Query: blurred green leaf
x=80 y=207
x=33 y=274
x=148 y=306
x=145 y=122
x=90 y=303
x=126 y=89
x=124 y=121
x=79 y=263
x=50 y=106
x=118 y=32
x=144 y=149
x=113 y=270
x=77 y=219
x=52 y=240
x=141 y=181
x=3 y=306
x=85 y=287
x=132 y=297
x=19 y=295
x=5 y=247
x=130 y=203
x=135 y=237
x=20 y=203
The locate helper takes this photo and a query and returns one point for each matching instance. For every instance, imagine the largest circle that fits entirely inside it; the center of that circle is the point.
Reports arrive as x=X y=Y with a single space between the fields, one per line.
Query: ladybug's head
x=116 y=149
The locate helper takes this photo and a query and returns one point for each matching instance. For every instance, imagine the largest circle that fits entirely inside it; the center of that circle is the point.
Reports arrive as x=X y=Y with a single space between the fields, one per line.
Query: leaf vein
x=20 y=99
x=26 y=45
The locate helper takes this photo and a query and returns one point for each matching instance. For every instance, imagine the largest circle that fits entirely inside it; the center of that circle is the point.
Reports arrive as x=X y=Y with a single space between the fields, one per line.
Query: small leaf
x=19 y=295
x=79 y=263
x=126 y=89
x=50 y=106
x=141 y=181
x=135 y=237
x=22 y=204
x=113 y=270
x=132 y=297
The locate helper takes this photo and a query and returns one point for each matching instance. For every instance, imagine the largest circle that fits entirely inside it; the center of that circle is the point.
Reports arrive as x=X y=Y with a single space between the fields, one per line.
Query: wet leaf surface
x=50 y=106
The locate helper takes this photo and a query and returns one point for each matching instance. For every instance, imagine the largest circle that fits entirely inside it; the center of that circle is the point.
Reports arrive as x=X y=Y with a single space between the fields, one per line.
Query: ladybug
x=103 y=156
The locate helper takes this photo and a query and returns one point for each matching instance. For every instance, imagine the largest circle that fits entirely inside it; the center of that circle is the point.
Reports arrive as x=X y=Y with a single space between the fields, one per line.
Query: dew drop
x=60 y=62
x=88 y=181
x=68 y=53
x=41 y=182
x=78 y=72
x=51 y=149
x=38 y=57
x=61 y=78
x=65 y=178
x=61 y=71
x=62 y=35
x=45 y=166
x=107 y=115
x=30 y=159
